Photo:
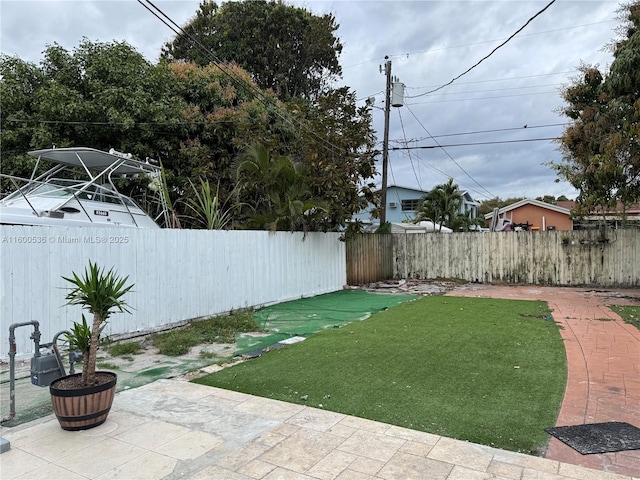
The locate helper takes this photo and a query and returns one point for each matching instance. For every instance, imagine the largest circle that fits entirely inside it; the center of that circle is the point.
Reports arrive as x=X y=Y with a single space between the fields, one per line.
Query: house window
x=410 y=205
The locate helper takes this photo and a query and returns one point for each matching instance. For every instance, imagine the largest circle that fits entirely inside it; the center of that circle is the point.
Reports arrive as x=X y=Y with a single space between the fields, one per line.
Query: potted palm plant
x=83 y=400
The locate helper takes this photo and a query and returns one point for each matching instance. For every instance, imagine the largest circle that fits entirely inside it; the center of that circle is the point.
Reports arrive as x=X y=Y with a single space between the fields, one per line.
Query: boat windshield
x=105 y=194
x=65 y=188
x=54 y=188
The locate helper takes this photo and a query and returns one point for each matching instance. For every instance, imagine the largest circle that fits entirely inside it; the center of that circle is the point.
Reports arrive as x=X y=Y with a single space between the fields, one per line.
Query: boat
x=57 y=198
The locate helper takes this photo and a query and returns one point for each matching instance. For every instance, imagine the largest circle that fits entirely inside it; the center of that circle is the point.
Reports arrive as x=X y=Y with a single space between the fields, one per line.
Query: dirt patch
x=621 y=298
x=75 y=382
x=411 y=286
x=148 y=365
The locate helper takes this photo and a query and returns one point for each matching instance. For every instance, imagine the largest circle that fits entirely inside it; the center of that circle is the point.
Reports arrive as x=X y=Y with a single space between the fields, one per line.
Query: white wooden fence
x=178 y=274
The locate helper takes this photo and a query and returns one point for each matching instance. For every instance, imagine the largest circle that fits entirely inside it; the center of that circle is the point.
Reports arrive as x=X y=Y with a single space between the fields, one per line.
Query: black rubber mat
x=598 y=437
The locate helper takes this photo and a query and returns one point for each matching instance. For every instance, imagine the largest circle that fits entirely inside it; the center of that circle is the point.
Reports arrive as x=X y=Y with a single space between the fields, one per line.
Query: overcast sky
x=429 y=43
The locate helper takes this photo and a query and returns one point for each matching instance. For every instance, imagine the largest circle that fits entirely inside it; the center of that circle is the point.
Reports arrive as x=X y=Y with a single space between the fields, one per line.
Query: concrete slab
x=171 y=429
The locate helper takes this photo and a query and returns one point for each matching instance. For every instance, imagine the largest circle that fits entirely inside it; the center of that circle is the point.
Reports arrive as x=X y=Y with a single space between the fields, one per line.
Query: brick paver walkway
x=603 y=356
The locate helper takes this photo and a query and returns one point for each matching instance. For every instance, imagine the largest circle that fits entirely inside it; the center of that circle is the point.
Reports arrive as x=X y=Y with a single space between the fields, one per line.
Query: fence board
x=537 y=258
x=178 y=274
x=369 y=258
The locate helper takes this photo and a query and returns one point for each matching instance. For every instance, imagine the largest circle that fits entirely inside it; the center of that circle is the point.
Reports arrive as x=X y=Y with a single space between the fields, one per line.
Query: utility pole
x=385 y=143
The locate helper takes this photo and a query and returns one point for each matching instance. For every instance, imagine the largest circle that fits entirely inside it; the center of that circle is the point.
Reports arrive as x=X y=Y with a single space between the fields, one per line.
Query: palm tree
x=275 y=191
x=440 y=205
x=99 y=291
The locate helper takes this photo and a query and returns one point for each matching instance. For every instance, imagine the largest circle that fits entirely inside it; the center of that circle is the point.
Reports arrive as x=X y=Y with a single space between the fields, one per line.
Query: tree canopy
x=600 y=147
x=286 y=49
x=102 y=95
x=200 y=122
x=276 y=191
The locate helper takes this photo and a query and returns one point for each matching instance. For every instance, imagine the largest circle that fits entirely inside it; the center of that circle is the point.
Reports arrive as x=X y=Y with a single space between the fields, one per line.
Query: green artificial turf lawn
x=483 y=370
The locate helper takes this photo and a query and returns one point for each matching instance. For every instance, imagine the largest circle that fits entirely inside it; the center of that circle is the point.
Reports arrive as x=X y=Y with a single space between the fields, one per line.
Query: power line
x=444 y=175
x=400 y=55
x=482 y=81
x=498 y=89
x=208 y=122
x=503 y=79
x=480 y=98
x=492 y=51
x=409 y=152
x=113 y=124
x=447 y=153
x=119 y=124
x=177 y=29
x=500 y=39
x=475 y=132
x=392 y=175
x=426 y=147
x=151 y=124
x=447 y=176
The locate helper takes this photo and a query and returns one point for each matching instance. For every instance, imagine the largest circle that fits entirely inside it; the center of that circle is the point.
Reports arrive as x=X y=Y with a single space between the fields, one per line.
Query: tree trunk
x=85 y=366
x=90 y=378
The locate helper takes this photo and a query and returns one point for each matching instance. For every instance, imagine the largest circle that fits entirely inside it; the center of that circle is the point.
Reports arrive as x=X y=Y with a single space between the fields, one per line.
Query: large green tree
x=600 y=147
x=330 y=140
x=195 y=119
x=221 y=121
x=336 y=146
x=101 y=95
x=286 y=49
x=106 y=95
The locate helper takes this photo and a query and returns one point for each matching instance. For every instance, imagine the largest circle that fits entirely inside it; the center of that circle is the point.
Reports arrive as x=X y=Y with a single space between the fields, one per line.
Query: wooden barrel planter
x=86 y=407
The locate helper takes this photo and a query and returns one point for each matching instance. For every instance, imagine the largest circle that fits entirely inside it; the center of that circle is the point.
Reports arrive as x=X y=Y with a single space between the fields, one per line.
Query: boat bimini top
x=92 y=201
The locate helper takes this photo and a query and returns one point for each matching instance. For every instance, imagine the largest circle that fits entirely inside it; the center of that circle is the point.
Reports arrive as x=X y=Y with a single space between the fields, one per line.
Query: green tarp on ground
x=301 y=318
